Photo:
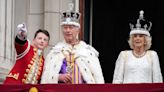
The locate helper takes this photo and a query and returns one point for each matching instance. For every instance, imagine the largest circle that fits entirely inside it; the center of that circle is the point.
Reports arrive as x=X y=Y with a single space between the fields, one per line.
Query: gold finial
x=33 y=89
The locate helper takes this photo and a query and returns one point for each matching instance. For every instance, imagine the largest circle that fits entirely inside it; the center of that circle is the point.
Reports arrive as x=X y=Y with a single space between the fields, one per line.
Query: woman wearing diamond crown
x=139 y=65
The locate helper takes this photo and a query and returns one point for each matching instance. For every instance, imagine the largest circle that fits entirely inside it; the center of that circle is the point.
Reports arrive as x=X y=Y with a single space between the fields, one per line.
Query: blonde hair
x=148 y=40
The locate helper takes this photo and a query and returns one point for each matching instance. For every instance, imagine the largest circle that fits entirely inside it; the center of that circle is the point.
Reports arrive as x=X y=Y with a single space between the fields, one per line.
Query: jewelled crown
x=70 y=18
x=141 y=26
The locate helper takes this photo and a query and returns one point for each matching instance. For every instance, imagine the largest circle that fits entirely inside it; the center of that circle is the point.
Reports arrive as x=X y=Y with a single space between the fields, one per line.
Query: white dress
x=130 y=69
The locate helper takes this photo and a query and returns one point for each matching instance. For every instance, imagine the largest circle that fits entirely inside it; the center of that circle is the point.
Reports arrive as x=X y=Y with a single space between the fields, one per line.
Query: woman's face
x=138 y=40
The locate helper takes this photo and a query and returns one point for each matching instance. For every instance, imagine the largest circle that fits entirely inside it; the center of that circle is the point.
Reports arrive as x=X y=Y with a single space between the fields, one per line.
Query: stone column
x=51 y=21
x=2 y=28
x=6 y=37
x=52 y=14
x=35 y=17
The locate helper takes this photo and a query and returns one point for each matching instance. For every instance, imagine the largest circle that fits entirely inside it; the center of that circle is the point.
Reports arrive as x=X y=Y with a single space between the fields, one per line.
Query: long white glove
x=22 y=31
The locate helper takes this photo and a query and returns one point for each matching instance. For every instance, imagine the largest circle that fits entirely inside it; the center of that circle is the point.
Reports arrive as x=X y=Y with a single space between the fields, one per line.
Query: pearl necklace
x=137 y=55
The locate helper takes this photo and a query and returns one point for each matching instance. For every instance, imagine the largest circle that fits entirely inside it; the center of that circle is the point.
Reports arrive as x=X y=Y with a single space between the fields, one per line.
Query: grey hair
x=148 y=40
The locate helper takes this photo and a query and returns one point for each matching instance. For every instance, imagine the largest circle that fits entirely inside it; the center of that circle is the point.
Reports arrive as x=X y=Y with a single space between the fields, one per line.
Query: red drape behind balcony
x=156 y=87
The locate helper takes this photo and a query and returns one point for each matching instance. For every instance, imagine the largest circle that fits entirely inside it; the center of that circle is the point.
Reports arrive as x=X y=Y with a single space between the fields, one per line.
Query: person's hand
x=22 y=30
x=66 y=78
x=22 y=27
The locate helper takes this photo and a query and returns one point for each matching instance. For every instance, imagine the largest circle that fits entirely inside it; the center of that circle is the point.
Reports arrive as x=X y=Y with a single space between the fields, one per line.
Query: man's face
x=41 y=41
x=70 y=32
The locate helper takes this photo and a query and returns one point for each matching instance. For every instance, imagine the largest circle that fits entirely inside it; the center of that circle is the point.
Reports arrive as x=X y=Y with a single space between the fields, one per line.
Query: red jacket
x=28 y=67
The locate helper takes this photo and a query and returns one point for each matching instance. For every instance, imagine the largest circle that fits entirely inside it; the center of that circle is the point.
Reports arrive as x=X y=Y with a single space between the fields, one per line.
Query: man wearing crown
x=139 y=65
x=72 y=61
x=29 y=62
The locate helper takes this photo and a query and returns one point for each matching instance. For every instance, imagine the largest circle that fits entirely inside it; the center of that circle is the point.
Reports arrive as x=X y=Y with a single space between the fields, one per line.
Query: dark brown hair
x=42 y=31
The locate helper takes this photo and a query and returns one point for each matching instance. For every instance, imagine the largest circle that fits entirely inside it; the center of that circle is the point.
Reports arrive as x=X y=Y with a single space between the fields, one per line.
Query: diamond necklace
x=139 y=56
